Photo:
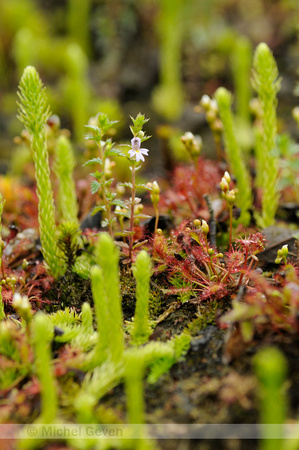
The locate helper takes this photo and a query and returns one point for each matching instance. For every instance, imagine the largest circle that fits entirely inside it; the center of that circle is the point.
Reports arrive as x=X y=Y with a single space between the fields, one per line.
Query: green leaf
x=91 y=137
x=95 y=186
x=114 y=152
x=108 y=182
x=118 y=202
x=92 y=128
x=121 y=244
x=141 y=216
x=104 y=223
x=97 y=209
x=126 y=184
x=93 y=161
x=98 y=175
x=104 y=122
x=143 y=186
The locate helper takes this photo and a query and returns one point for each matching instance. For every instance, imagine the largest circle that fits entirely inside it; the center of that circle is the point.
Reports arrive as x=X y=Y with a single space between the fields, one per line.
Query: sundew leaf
x=195 y=237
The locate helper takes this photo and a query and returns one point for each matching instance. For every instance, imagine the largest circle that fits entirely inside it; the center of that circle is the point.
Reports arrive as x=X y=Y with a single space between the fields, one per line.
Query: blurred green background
x=154 y=56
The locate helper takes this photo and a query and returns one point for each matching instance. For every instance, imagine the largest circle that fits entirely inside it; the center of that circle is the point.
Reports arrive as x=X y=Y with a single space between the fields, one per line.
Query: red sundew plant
x=188 y=186
x=266 y=304
x=197 y=269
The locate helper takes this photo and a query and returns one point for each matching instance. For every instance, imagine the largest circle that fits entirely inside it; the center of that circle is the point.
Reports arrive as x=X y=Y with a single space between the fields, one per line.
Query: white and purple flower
x=136 y=151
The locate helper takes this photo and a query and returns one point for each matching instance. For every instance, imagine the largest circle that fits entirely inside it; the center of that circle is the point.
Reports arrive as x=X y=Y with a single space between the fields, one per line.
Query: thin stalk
x=157 y=219
x=131 y=237
x=230 y=225
x=106 y=203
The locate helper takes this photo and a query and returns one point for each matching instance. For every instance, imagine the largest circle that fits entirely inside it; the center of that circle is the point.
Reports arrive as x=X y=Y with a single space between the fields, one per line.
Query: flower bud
x=224 y=186
x=231 y=197
x=120 y=189
x=22 y=306
x=138 y=209
x=197 y=223
x=54 y=122
x=155 y=187
x=192 y=143
x=205 y=102
x=205 y=227
x=227 y=177
x=216 y=126
x=214 y=105
x=211 y=116
x=285 y=250
x=155 y=194
x=25 y=264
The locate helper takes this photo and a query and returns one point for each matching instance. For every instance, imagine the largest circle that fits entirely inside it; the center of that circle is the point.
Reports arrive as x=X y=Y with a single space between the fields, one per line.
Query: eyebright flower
x=136 y=150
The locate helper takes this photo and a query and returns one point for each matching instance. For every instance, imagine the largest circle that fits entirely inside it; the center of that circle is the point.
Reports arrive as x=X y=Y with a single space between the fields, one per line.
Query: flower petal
x=136 y=143
x=139 y=156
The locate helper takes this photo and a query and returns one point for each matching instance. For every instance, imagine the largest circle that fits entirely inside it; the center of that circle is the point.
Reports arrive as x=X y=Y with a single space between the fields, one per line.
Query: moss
x=70 y=291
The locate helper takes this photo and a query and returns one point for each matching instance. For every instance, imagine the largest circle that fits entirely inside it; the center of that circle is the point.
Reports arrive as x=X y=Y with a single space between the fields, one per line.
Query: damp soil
x=214 y=383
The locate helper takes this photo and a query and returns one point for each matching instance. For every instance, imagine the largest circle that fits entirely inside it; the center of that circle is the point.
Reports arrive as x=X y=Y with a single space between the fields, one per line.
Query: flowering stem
x=230 y=225
x=131 y=237
x=106 y=202
x=157 y=219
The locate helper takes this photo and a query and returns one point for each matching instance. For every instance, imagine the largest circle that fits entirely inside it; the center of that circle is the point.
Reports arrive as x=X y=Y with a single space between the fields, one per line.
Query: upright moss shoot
x=241 y=66
x=107 y=257
x=33 y=113
x=271 y=371
x=101 y=312
x=234 y=154
x=266 y=83
x=142 y=273
x=64 y=166
x=42 y=334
